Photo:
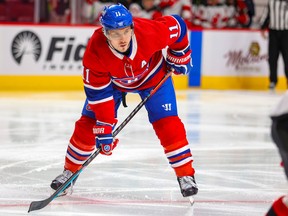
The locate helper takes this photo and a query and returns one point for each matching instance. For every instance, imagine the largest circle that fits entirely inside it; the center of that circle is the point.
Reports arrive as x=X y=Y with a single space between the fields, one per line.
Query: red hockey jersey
x=105 y=68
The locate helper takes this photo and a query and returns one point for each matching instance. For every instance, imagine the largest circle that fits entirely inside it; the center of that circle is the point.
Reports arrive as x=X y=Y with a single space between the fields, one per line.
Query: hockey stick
x=36 y=205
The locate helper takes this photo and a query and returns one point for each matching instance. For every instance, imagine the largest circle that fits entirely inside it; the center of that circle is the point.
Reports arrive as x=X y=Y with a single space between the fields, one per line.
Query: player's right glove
x=179 y=60
x=104 y=138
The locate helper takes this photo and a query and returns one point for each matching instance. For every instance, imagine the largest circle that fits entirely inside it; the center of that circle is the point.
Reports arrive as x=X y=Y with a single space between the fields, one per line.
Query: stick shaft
x=140 y=105
x=36 y=205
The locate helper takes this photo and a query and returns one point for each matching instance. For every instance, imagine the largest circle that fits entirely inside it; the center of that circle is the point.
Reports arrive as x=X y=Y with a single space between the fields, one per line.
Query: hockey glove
x=104 y=138
x=180 y=60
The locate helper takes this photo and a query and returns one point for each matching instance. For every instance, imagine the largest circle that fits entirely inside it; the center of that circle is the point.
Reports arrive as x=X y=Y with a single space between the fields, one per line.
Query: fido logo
x=26 y=43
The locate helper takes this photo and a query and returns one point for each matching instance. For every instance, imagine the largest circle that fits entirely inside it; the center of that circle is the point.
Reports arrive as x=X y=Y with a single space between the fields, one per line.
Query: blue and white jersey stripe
x=96 y=95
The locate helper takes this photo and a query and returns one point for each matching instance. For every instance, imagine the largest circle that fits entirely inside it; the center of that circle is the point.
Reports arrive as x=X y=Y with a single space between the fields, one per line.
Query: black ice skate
x=61 y=179
x=188 y=186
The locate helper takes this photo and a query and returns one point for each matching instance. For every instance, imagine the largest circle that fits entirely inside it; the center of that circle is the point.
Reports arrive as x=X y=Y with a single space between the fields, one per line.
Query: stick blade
x=36 y=205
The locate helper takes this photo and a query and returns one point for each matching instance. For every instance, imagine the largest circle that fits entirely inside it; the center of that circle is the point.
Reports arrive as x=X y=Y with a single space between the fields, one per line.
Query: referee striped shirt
x=275 y=16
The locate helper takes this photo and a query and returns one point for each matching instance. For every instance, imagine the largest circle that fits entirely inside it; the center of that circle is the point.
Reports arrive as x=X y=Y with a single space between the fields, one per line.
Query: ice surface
x=237 y=165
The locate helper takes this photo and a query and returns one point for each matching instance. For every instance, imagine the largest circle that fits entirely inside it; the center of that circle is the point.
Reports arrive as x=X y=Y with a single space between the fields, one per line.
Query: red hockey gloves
x=104 y=138
x=179 y=60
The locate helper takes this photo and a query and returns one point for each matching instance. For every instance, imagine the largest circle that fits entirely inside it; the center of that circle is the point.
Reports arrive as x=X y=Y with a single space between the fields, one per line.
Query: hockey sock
x=172 y=135
x=82 y=144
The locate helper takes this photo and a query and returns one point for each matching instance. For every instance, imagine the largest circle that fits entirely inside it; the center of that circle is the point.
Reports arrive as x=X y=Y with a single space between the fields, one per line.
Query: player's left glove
x=104 y=138
x=179 y=60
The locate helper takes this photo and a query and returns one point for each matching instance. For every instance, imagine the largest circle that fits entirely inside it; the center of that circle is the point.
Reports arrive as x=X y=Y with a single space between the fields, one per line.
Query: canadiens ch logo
x=26 y=44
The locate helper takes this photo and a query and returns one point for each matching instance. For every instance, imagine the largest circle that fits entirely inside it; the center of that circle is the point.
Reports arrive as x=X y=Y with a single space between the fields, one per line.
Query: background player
x=125 y=55
x=279 y=131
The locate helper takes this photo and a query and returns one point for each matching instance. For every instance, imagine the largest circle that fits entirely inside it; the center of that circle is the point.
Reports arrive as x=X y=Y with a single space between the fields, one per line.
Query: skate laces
x=64 y=176
x=187 y=182
x=62 y=179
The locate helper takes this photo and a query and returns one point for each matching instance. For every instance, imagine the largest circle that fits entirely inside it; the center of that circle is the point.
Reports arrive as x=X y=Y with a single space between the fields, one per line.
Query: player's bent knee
x=170 y=131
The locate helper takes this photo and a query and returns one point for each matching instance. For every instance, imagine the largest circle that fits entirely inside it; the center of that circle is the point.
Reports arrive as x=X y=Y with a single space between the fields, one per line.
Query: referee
x=275 y=18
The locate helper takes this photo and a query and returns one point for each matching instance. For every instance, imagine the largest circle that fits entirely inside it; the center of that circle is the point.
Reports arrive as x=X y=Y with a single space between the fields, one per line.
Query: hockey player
x=279 y=131
x=125 y=55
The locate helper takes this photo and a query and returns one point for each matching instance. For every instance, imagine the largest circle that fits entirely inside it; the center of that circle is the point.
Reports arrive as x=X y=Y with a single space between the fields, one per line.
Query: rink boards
x=48 y=57
x=37 y=57
x=232 y=59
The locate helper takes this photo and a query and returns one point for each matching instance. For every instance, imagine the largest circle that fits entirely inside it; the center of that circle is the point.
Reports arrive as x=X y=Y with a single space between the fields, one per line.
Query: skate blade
x=191 y=200
x=64 y=193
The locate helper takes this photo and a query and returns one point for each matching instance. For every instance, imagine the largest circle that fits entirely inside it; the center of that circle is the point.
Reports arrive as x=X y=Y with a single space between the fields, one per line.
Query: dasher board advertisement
x=42 y=50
